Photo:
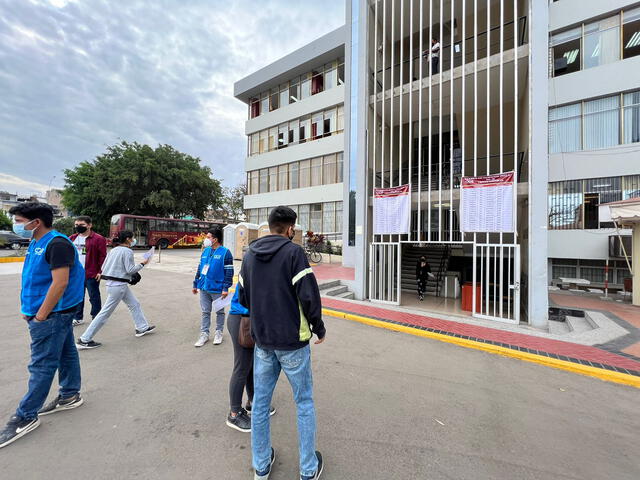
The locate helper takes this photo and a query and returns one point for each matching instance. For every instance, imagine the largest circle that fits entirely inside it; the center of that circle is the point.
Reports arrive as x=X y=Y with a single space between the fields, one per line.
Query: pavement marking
x=11 y=259
x=602 y=374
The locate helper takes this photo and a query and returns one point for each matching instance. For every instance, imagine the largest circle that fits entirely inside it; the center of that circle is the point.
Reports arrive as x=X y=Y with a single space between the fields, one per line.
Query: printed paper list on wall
x=487 y=203
x=391 y=210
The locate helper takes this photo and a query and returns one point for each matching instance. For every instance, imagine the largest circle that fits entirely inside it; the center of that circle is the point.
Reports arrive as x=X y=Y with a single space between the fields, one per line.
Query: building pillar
x=635 y=263
x=538 y=292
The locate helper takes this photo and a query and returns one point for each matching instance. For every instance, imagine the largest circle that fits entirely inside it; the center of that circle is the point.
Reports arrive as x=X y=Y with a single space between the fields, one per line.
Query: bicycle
x=313 y=254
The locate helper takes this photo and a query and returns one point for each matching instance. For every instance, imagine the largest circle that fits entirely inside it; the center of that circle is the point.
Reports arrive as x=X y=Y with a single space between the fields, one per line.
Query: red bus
x=161 y=232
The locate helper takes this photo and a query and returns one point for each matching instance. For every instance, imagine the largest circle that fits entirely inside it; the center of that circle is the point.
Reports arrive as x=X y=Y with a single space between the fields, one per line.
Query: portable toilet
x=297 y=239
x=263 y=230
x=229 y=237
x=245 y=233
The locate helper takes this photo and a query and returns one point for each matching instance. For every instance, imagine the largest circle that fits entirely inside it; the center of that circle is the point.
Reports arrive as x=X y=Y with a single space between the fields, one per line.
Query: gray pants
x=117 y=293
x=206 y=304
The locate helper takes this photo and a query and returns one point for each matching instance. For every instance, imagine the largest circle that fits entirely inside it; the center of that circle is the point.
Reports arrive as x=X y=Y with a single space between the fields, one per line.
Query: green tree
x=64 y=225
x=140 y=180
x=5 y=221
x=234 y=201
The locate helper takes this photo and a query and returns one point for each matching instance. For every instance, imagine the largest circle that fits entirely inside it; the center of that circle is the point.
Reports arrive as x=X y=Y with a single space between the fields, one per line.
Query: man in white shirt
x=434 y=55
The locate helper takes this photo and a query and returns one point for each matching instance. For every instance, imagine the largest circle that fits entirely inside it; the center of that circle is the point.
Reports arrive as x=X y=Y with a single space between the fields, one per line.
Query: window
x=558 y=270
x=294 y=91
x=254 y=144
x=254 y=182
x=264 y=180
x=329 y=217
x=264 y=103
x=339 y=166
x=315 y=217
x=564 y=128
x=329 y=169
x=631 y=33
x=274 y=100
x=565 y=205
x=253 y=215
x=631 y=121
x=305 y=173
x=284 y=94
x=254 y=108
x=341 y=73
x=273 y=179
x=305 y=86
x=294 y=169
x=283 y=177
x=330 y=76
x=340 y=122
x=273 y=134
x=338 y=216
x=631 y=187
x=303 y=217
x=602 y=42
x=316 y=171
x=283 y=135
x=329 y=122
x=294 y=131
x=566 y=52
x=264 y=134
x=317 y=82
x=305 y=129
x=602 y=122
x=316 y=125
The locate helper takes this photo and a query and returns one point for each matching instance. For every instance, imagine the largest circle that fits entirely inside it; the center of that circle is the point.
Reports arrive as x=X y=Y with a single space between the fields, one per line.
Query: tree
x=5 y=221
x=140 y=180
x=65 y=225
x=234 y=201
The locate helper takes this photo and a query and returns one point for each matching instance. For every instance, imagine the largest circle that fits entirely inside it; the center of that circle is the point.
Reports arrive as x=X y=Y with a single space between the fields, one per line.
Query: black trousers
x=422 y=286
x=242 y=375
x=434 y=65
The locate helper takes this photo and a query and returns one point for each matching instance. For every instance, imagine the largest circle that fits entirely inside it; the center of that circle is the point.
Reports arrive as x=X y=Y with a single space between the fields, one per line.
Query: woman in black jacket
x=423 y=272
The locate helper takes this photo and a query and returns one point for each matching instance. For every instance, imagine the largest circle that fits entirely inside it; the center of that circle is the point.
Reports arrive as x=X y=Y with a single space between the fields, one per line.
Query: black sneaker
x=87 y=345
x=264 y=475
x=272 y=410
x=60 y=404
x=142 y=333
x=241 y=422
x=316 y=475
x=17 y=427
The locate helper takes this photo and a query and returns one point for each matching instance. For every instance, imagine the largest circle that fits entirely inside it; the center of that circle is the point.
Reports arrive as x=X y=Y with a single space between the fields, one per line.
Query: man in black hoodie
x=278 y=287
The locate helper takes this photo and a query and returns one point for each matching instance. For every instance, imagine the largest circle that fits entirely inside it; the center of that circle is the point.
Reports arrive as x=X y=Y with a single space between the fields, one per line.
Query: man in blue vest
x=52 y=288
x=213 y=280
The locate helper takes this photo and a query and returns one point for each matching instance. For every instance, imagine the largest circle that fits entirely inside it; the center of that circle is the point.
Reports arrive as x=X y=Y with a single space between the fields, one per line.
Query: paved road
x=390 y=406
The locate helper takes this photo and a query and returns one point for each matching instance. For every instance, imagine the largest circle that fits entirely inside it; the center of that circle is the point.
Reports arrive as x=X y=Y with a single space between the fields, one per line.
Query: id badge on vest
x=205 y=270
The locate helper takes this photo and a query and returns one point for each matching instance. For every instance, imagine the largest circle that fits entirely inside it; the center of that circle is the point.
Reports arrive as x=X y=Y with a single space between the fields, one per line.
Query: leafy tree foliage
x=234 y=201
x=140 y=180
x=64 y=225
x=5 y=221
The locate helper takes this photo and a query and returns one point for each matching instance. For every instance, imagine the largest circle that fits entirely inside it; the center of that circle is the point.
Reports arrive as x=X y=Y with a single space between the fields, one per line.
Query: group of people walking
x=274 y=313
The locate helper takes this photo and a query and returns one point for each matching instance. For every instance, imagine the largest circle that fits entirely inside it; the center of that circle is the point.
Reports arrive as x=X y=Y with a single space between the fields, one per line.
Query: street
x=389 y=405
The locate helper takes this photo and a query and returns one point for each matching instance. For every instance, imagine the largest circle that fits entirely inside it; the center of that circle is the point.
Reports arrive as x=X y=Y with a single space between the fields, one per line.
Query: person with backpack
x=118 y=271
x=280 y=290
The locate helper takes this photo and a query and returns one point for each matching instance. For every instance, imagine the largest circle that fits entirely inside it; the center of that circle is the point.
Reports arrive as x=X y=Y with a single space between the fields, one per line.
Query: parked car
x=11 y=240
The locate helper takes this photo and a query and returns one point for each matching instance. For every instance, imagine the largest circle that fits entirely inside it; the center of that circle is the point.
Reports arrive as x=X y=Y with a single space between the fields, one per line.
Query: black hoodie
x=280 y=290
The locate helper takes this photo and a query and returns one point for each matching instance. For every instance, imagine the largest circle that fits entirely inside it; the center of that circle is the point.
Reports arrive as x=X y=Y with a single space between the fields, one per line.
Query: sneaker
x=142 y=333
x=264 y=475
x=318 y=470
x=87 y=345
x=241 y=422
x=272 y=410
x=217 y=337
x=421 y=298
x=60 y=404
x=204 y=338
x=17 y=427
x=77 y=321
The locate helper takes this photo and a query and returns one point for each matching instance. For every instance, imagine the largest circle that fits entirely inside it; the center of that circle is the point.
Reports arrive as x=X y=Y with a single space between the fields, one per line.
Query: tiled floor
x=447 y=306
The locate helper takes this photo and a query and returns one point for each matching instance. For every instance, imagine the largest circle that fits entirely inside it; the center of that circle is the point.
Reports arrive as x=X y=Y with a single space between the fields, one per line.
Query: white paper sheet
x=221 y=303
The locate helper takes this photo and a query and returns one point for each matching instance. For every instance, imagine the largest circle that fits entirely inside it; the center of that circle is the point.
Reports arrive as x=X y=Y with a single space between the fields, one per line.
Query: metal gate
x=496 y=277
x=384 y=273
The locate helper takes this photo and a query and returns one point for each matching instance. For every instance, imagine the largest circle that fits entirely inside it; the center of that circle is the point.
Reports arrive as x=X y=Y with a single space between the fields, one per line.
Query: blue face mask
x=20 y=230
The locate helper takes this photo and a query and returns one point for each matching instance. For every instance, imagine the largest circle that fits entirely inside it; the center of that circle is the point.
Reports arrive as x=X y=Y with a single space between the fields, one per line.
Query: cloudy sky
x=77 y=75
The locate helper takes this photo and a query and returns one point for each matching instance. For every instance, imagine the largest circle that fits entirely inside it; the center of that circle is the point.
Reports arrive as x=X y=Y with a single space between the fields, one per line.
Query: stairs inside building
x=335 y=288
x=438 y=257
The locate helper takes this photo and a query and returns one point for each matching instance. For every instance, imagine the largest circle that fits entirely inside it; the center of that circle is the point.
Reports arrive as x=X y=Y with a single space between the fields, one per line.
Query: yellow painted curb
x=600 y=373
x=11 y=259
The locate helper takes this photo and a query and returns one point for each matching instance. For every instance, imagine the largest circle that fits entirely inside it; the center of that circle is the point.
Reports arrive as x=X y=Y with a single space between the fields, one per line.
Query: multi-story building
x=295 y=135
x=594 y=135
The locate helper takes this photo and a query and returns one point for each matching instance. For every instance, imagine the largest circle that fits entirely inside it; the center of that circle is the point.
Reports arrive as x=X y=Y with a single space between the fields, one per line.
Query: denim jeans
x=206 y=304
x=266 y=370
x=52 y=348
x=92 y=286
x=115 y=294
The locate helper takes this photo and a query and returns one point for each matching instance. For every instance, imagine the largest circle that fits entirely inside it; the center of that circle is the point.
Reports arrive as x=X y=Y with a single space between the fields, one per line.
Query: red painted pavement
x=582 y=352
x=334 y=272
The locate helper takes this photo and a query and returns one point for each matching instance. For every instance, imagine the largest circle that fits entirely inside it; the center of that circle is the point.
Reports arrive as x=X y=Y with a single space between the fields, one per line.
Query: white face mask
x=207 y=243
x=133 y=242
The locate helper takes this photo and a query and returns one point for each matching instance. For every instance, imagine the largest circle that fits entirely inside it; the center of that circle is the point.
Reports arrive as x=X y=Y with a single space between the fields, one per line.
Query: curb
x=600 y=373
x=11 y=259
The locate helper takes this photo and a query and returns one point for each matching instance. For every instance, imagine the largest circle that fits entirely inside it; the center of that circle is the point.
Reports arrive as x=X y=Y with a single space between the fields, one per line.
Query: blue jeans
x=266 y=370
x=92 y=286
x=52 y=348
x=206 y=304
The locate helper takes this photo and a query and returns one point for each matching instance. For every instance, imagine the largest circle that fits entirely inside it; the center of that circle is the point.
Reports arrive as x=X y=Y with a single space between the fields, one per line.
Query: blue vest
x=236 y=308
x=213 y=281
x=36 y=278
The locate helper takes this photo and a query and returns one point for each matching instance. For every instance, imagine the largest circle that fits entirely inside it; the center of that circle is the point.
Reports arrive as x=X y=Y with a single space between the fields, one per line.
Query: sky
x=78 y=75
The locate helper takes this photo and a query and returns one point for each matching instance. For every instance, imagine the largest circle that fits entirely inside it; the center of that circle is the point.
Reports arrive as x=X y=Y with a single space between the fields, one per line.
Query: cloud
x=77 y=76
x=11 y=183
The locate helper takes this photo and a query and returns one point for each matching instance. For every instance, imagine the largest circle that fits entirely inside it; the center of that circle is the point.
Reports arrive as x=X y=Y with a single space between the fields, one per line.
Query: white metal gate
x=384 y=273
x=496 y=277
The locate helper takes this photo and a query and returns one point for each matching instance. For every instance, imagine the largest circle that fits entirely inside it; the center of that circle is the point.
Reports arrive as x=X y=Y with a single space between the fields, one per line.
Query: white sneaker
x=204 y=338
x=78 y=322
x=217 y=337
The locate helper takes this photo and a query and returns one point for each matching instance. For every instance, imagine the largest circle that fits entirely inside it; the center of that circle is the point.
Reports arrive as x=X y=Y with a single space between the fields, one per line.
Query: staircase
x=438 y=258
x=335 y=288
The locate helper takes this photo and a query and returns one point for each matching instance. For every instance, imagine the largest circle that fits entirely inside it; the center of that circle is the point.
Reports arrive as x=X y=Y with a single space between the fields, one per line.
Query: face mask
x=133 y=243
x=81 y=228
x=292 y=236
x=20 y=230
x=207 y=243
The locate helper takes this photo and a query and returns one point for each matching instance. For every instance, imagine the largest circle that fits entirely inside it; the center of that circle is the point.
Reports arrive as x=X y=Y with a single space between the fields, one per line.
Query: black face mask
x=292 y=236
x=81 y=229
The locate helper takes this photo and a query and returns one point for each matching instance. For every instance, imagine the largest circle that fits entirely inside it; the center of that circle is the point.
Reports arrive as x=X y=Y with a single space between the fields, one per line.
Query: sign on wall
x=391 y=210
x=487 y=203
